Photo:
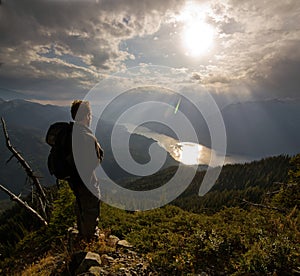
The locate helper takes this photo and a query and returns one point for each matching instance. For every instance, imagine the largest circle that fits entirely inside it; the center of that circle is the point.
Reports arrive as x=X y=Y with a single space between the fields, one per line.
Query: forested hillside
x=253 y=182
x=231 y=239
x=250 y=181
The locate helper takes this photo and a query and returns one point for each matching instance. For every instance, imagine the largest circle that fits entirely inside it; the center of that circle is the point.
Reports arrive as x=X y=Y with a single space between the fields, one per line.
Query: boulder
x=91 y=259
x=124 y=243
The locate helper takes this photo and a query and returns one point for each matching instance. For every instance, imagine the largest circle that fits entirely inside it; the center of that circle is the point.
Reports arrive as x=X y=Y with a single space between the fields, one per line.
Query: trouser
x=87 y=209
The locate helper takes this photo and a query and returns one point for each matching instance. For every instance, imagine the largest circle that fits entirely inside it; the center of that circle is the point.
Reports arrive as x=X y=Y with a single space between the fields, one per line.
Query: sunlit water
x=187 y=153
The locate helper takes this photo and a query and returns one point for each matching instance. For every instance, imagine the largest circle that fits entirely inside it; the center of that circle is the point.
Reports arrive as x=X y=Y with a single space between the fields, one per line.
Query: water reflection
x=187 y=153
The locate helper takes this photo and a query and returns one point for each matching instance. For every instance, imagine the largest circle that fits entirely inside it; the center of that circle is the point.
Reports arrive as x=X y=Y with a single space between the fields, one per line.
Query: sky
x=57 y=50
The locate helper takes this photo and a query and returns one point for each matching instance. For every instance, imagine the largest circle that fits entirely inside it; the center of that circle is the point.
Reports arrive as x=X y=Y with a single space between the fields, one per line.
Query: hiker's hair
x=80 y=109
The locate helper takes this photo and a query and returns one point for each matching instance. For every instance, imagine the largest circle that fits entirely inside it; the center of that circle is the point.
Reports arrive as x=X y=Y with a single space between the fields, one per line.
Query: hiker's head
x=81 y=112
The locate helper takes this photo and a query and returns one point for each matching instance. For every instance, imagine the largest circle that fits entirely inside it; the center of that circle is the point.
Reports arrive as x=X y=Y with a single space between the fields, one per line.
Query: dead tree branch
x=9 y=159
x=26 y=167
x=286 y=184
x=23 y=204
x=273 y=192
x=263 y=206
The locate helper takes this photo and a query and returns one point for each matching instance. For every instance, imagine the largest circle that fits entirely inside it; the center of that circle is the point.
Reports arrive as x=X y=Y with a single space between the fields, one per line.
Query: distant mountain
x=263 y=128
x=27 y=124
x=148 y=102
x=9 y=94
x=30 y=115
x=254 y=129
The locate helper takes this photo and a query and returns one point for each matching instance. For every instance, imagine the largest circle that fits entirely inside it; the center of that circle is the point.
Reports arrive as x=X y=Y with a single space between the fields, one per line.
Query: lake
x=186 y=152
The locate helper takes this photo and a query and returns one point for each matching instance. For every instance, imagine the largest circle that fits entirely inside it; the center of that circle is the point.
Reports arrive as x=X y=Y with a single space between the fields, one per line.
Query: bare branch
x=273 y=192
x=286 y=184
x=27 y=169
x=9 y=159
x=24 y=164
x=23 y=204
x=263 y=206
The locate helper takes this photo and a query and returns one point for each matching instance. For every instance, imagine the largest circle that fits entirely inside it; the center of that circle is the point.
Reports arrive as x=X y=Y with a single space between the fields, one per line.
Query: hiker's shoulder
x=84 y=131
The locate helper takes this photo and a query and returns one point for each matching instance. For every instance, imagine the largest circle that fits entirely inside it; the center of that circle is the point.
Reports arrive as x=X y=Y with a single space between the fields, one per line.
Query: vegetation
x=289 y=193
x=251 y=181
x=231 y=240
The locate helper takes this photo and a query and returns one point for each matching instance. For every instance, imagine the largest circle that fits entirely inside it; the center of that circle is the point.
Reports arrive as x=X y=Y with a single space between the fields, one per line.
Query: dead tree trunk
x=43 y=200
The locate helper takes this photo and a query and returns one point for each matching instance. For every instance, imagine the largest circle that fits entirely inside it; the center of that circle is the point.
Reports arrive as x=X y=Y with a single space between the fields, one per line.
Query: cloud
x=257 y=44
x=77 y=43
x=65 y=39
x=282 y=78
x=196 y=76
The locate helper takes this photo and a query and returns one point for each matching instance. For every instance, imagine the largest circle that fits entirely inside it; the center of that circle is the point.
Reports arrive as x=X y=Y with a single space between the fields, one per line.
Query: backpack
x=60 y=160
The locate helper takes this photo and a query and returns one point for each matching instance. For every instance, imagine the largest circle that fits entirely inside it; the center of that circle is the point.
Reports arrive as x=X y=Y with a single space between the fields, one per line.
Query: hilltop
x=236 y=239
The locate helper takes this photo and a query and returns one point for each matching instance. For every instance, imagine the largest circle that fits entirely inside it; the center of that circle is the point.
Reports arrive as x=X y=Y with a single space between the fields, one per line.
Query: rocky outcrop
x=90 y=260
x=119 y=260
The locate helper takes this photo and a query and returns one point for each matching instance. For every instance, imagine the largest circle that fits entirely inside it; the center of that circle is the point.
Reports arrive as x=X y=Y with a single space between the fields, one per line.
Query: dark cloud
x=282 y=81
x=196 y=76
x=77 y=42
x=38 y=35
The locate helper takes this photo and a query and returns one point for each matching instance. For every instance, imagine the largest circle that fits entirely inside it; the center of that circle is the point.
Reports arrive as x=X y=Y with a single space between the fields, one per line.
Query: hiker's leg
x=89 y=213
x=77 y=206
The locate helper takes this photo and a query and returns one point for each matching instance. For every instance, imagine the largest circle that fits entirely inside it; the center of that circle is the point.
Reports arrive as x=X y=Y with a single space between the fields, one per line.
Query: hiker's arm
x=93 y=152
x=99 y=151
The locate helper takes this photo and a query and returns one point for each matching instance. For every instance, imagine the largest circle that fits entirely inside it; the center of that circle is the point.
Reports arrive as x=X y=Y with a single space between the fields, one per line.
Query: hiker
x=88 y=154
x=74 y=156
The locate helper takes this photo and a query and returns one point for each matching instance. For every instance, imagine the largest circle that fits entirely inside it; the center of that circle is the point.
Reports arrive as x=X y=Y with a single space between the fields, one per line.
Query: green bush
x=63 y=215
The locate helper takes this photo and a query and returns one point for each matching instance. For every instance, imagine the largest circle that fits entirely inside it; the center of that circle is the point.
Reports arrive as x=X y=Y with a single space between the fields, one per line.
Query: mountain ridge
x=27 y=124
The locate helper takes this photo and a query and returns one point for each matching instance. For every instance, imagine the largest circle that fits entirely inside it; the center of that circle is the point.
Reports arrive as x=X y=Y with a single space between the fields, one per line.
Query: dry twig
x=23 y=204
x=263 y=206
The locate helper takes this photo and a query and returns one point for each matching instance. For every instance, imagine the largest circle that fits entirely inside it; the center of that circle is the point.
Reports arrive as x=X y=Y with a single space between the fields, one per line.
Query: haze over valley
x=28 y=122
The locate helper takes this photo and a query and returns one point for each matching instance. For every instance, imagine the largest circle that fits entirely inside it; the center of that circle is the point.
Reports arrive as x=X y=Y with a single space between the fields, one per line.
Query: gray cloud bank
x=56 y=49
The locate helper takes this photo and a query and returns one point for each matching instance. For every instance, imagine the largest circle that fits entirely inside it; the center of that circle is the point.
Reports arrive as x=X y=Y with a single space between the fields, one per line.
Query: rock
x=124 y=243
x=91 y=259
x=106 y=260
x=96 y=271
x=112 y=240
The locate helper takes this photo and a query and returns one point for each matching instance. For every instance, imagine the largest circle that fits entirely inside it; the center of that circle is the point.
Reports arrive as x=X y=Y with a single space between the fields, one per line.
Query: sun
x=197 y=35
x=198 y=38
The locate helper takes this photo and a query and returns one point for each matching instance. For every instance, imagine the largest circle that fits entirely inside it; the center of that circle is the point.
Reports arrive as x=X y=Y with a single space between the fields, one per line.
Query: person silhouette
x=88 y=155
